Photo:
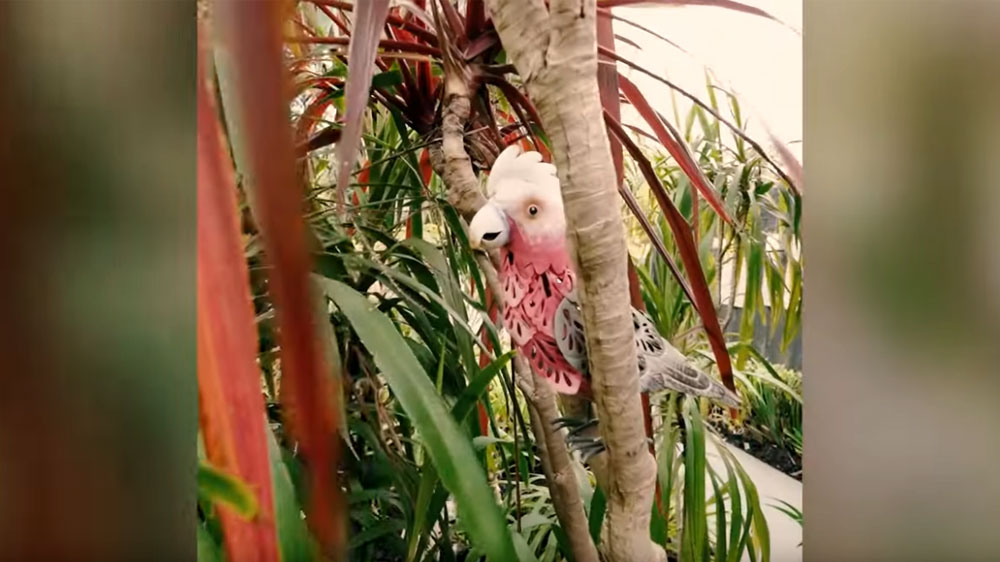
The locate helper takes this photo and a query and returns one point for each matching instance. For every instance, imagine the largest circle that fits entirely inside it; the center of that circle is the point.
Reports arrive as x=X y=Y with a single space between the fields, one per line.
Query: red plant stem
x=254 y=31
x=404 y=46
x=396 y=21
x=336 y=19
x=701 y=297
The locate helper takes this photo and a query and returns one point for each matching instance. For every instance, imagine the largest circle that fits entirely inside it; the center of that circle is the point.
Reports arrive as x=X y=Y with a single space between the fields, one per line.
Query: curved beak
x=488 y=228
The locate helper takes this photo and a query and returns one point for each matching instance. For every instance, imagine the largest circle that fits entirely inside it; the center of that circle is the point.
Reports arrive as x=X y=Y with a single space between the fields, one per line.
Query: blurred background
x=900 y=330
x=97 y=193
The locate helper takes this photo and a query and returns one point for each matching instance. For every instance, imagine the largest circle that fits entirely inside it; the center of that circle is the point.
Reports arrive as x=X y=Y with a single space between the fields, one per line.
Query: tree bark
x=555 y=52
x=451 y=161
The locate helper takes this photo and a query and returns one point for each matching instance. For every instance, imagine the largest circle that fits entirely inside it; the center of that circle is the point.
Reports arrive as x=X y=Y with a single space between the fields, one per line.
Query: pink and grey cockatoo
x=524 y=220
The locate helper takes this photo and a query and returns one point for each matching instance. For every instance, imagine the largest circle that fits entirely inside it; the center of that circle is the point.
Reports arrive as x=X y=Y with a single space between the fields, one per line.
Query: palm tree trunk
x=555 y=51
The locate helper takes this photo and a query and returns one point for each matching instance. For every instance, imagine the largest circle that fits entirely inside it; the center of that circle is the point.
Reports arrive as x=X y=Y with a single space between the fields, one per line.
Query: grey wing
x=568 y=330
x=662 y=367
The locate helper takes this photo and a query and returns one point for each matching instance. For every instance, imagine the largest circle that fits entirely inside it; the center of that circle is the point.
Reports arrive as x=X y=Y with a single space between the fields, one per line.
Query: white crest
x=527 y=191
x=512 y=169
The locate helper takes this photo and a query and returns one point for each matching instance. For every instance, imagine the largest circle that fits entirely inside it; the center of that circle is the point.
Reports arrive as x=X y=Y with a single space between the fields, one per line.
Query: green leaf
x=217 y=486
x=387 y=79
x=448 y=447
x=775 y=379
x=755 y=515
x=534 y=519
x=524 y=552
x=751 y=300
x=467 y=401
x=665 y=459
x=694 y=544
x=789 y=510
x=794 y=309
x=376 y=531
x=720 y=518
x=428 y=485
x=294 y=540
x=449 y=288
x=208 y=549
x=735 y=514
x=598 y=506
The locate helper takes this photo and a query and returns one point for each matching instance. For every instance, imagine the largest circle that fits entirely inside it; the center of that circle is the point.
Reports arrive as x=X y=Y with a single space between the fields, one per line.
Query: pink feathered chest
x=535 y=280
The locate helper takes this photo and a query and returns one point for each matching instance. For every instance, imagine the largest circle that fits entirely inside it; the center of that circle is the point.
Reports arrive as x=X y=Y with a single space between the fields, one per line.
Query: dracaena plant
x=396 y=108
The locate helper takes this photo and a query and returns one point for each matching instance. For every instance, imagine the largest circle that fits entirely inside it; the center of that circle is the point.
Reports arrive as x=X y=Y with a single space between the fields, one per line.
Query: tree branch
x=530 y=22
x=560 y=74
x=556 y=462
x=451 y=161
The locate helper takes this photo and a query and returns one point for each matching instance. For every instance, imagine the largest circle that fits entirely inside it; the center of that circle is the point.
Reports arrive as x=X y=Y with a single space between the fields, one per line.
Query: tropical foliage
x=362 y=324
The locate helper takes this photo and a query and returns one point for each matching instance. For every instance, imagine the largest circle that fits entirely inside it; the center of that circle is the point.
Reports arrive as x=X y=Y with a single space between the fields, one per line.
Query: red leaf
x=322 y=82
x=674 y=147
x=606 y=13
x=364 y=175
x=520 y=103
x=307 y=391
x=607 y=83
x=335 y=18
x=480 y=45
x=735 y=130
x=627 y=41
x=455 y=26
x=701 y=296
x=425 y=167
x=307 y=121
x=231 y=405
x=326 y=137
x=791 y=162
x=484 y=357
x=475 y=17
x=392 y=19
x=401 y=46
x=727 y=4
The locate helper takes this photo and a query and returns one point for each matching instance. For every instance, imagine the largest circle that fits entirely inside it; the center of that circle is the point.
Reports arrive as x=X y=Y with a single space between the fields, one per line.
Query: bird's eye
x=533 y=210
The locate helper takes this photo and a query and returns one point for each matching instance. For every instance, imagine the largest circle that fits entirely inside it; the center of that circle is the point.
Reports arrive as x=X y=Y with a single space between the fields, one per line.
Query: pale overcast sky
x=759 y=58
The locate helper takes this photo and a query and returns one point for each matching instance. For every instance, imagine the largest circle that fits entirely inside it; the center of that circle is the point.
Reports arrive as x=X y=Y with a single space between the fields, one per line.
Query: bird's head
x=524 y=195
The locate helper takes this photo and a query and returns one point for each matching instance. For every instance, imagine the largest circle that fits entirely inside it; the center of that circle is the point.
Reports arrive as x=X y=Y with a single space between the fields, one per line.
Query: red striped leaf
x=674 y=146
x=702 y=297
x=607 y=83
x=231 y=405
x=307 y=385
x=707 y=108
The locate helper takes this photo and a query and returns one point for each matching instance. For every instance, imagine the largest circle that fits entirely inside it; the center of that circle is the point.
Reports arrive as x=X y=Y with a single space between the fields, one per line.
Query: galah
x=524 y=219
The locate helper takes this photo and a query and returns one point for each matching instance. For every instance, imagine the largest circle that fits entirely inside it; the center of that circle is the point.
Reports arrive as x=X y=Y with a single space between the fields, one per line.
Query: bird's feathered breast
x=535 y=282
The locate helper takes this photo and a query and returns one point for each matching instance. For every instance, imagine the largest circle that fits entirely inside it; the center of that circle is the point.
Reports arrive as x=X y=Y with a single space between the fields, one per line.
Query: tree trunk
x=555 y=52
x=451 y=161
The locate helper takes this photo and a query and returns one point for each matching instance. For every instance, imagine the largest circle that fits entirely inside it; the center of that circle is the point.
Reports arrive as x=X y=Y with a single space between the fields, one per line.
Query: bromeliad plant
x=376 y=322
